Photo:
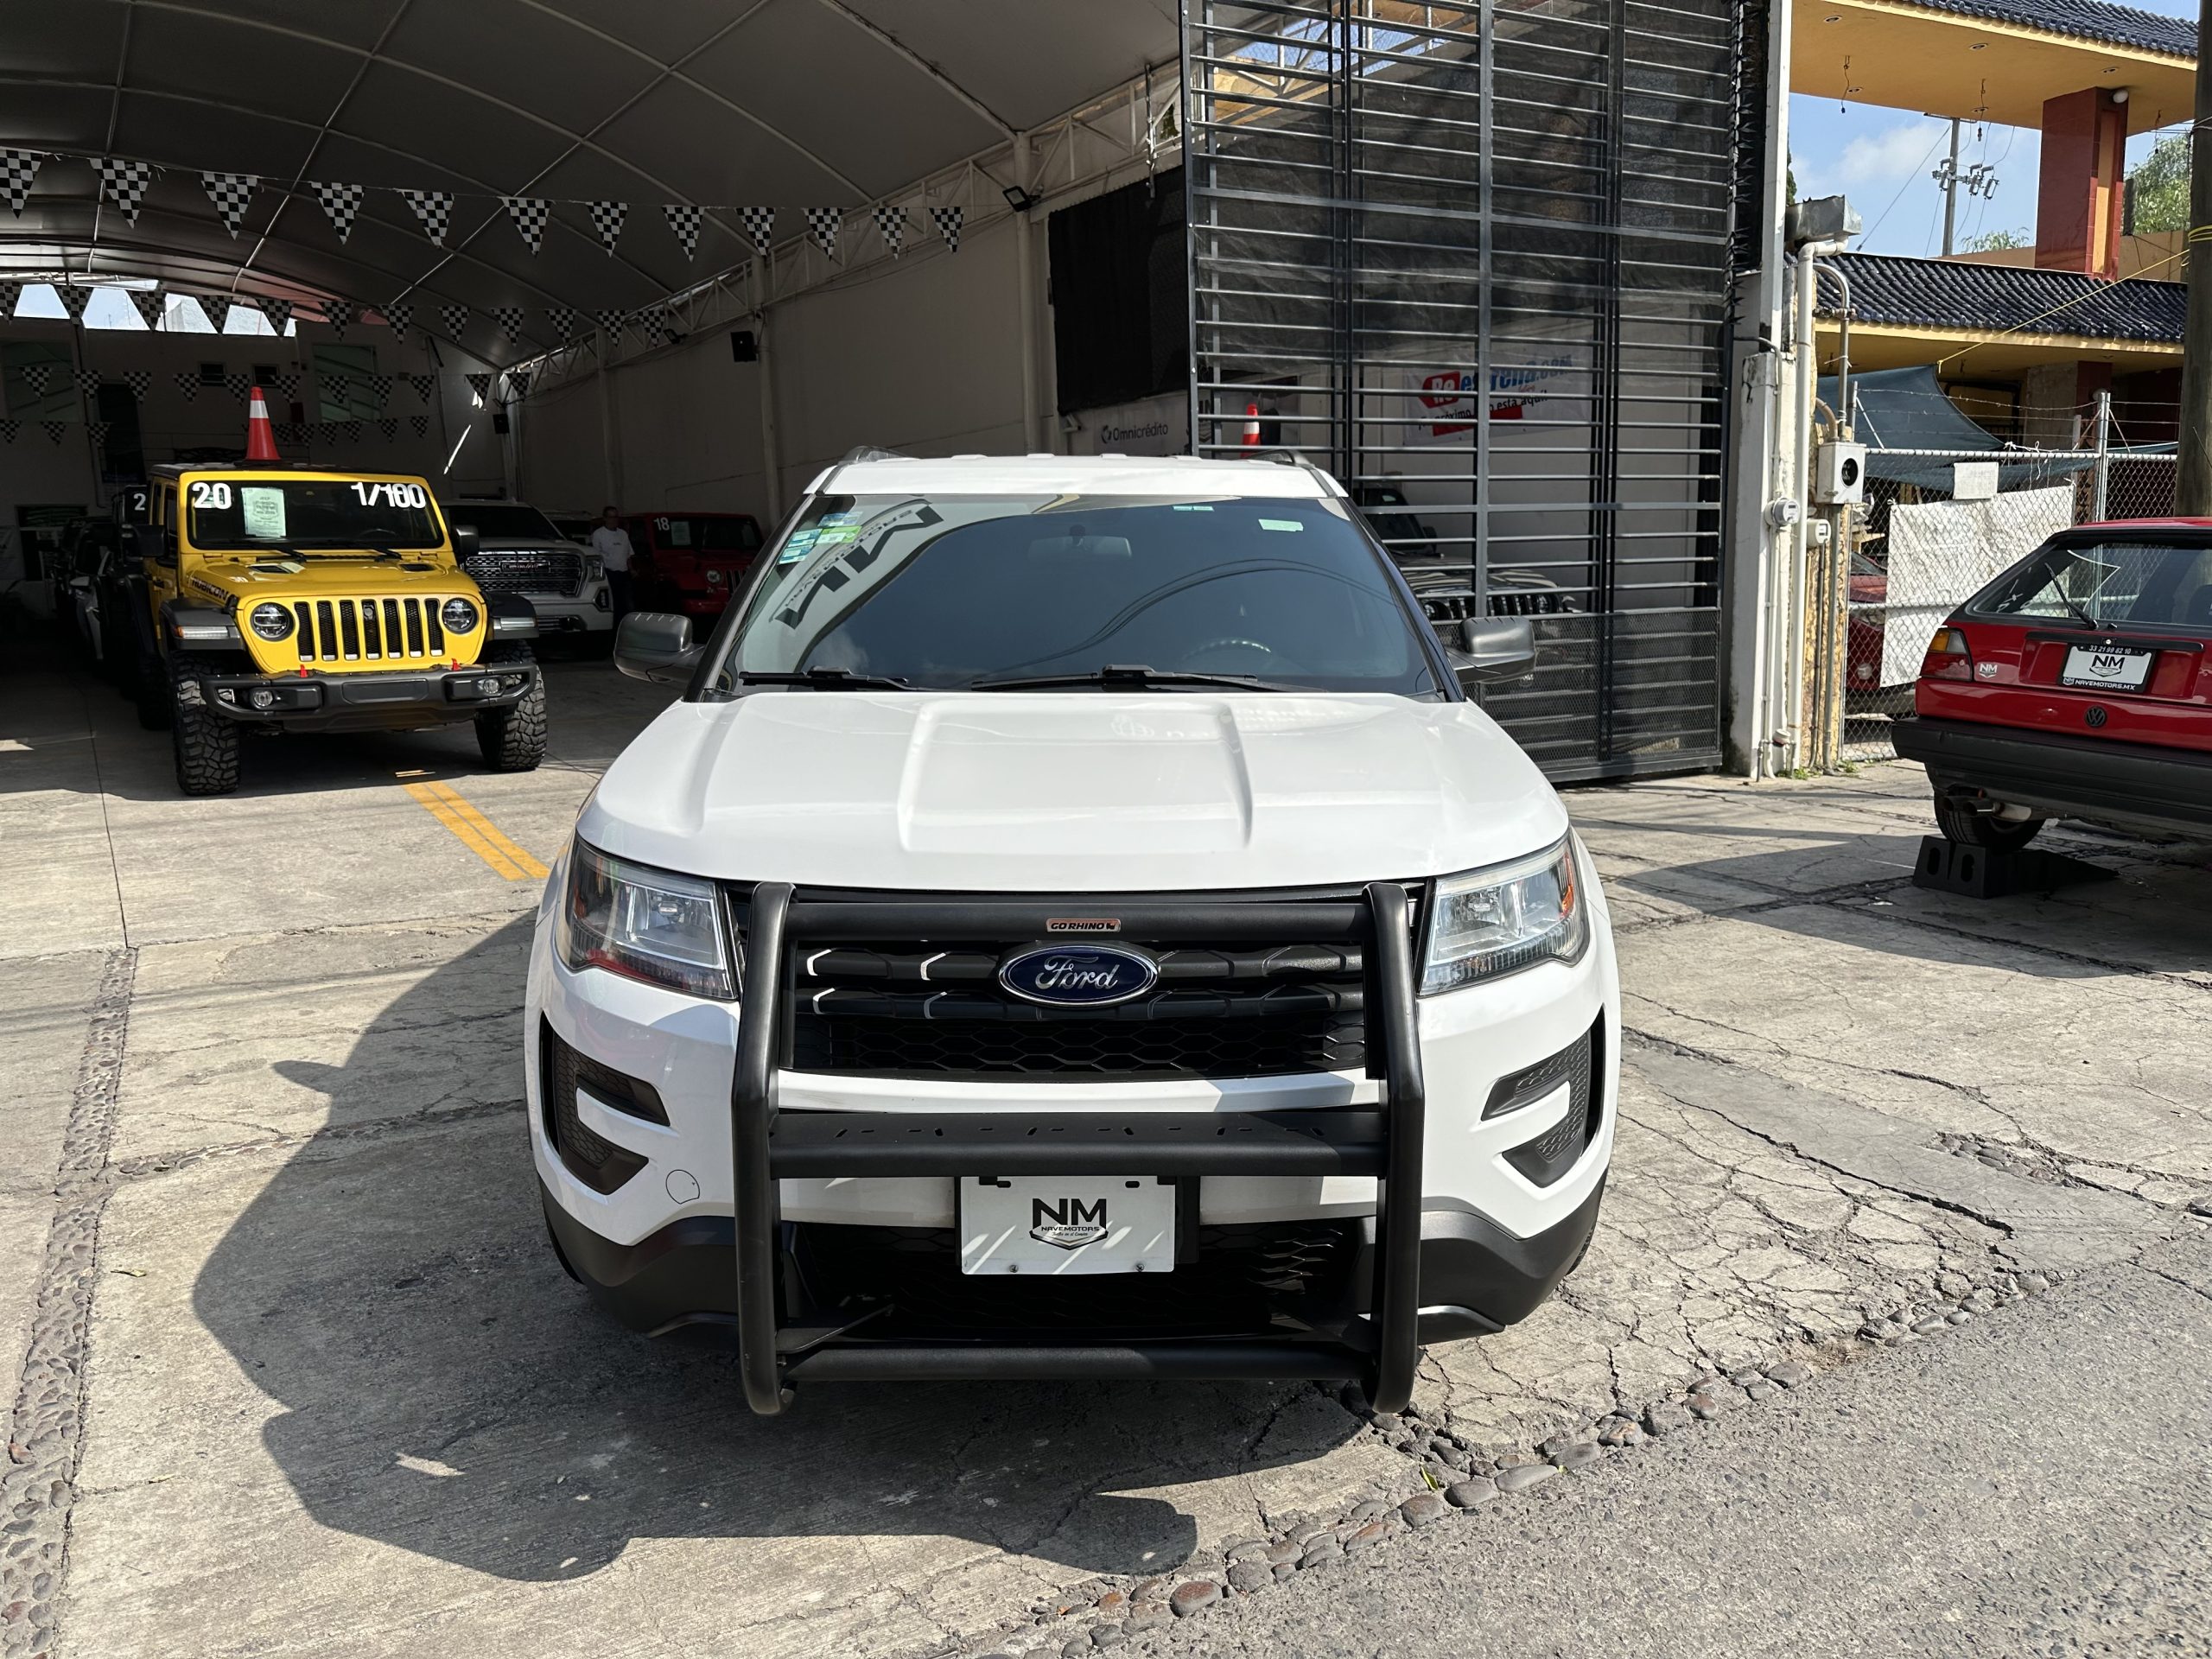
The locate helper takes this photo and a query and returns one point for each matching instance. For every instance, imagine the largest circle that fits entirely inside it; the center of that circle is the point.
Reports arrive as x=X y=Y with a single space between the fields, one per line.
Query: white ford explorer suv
x=1073 y=925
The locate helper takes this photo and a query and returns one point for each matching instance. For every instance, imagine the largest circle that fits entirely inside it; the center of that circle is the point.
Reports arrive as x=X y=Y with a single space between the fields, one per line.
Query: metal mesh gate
x=1474 y=260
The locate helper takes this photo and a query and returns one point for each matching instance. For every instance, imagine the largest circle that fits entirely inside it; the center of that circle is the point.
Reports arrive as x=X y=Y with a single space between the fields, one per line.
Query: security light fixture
x=1018 y=199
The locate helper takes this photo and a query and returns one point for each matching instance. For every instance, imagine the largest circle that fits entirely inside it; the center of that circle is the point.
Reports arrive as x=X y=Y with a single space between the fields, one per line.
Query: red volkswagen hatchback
x=2076 y=685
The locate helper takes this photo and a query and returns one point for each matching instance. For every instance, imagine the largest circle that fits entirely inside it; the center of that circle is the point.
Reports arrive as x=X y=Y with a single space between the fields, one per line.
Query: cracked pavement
x=340 y=1399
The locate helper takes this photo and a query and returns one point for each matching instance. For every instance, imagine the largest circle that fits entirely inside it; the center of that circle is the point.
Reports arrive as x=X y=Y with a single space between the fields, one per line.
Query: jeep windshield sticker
x=391 y=494
x=262 y=511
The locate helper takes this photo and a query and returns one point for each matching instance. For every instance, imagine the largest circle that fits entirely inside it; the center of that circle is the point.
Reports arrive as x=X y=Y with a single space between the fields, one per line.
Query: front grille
x=1240 y=1281
x=369 y=630
x=906 y=1010
x=527 y=571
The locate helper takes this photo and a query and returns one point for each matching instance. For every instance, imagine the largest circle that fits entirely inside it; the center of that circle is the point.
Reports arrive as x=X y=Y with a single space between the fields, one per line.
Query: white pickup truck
x=1073 y=925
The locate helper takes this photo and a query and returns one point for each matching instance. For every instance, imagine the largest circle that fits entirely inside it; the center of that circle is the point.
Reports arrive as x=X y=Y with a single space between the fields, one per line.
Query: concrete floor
x=300 y=1374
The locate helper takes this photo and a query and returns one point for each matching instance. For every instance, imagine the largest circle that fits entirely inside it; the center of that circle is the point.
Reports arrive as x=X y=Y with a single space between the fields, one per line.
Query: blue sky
x=1881 y=159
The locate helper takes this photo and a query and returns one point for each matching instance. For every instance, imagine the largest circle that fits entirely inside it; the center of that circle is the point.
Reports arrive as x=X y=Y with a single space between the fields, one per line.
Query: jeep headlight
x=271 y=621
x=645 y=924
x=1489 y=922
x=458 y=615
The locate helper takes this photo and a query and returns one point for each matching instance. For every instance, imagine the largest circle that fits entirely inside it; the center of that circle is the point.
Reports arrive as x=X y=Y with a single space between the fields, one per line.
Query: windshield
x=260 y=514
x=945 y=592
x=705 y=533
x=2137 y=584
x=506 y=521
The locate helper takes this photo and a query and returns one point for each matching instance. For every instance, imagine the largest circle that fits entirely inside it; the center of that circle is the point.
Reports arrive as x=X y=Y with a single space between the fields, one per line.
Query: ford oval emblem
x=1079 y=975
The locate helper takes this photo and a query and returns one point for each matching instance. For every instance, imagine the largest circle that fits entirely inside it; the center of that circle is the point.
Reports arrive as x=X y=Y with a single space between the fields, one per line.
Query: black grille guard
x=1380 y=1352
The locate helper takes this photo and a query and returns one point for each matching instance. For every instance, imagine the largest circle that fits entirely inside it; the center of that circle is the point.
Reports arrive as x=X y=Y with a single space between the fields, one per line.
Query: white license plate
x=1066 y=1223
x=2113 y=668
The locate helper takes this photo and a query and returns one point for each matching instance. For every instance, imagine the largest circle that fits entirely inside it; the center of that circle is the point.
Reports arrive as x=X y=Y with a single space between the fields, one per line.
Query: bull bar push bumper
x=1378 y=1352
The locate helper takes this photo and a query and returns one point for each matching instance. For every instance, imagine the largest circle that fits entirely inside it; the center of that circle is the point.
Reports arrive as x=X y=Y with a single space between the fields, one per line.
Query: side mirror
x=149 y=544
x=465 y=542
x=1498 y=649
x=657 y=646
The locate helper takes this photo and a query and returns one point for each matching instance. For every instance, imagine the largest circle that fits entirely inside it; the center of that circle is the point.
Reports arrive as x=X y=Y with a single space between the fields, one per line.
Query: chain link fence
x=1936 y=527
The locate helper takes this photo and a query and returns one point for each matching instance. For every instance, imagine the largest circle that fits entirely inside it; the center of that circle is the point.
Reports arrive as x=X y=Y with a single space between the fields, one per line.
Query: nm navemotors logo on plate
x=1070 y=1224
x=1079 y=975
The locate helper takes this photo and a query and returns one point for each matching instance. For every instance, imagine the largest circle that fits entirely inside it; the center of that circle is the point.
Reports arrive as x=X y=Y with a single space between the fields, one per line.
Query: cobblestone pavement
x=298 y=1373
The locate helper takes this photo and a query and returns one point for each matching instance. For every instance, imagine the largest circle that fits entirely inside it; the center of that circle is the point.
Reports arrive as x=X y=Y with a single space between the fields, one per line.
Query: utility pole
x=1950 y=181
x=2193 y=480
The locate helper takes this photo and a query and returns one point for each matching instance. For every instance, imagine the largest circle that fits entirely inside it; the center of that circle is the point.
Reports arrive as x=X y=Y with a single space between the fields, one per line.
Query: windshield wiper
x=825 y=679
x=1134 y=676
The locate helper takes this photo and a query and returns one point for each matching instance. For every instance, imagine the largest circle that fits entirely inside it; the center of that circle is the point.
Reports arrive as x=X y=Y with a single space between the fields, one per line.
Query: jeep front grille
x=370 y=630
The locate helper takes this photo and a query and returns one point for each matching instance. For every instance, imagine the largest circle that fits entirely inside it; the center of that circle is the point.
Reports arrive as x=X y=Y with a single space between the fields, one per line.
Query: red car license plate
x=2107 y=668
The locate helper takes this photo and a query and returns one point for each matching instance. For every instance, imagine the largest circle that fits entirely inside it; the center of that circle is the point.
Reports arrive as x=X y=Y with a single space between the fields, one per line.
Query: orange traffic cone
x=1251 y=425
x=260 y=436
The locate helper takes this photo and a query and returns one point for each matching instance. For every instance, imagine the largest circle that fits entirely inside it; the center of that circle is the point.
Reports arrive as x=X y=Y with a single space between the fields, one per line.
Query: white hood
x=1077 y=791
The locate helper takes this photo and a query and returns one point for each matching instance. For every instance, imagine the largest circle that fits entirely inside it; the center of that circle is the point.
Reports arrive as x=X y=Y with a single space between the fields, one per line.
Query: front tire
x=1960 y=822
x=206 y=745
x=513 y=739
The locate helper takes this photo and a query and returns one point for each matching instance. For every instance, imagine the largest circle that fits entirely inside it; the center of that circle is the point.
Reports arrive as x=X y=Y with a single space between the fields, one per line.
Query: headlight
x=459 y=616
x=652 y=925
x=1487 y=924
x=595 y=567
x=271 y=621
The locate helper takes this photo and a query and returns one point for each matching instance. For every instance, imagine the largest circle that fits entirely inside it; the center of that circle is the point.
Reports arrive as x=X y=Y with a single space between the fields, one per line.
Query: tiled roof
x=2084 y=20
x=2006 y=299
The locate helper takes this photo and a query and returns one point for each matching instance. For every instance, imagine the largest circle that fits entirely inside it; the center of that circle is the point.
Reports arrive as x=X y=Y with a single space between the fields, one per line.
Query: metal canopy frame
x=1477 y=254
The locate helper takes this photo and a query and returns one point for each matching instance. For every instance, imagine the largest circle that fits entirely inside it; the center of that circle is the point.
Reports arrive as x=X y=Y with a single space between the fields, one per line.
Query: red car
x=690 y=562
x=2078 y=685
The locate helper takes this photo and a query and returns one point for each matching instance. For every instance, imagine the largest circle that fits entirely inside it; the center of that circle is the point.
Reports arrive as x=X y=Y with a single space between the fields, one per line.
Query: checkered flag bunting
x=342 y=202
x=352 y=429
x=610 y=325
x=510 y=320
x=187 y=384
x=9 y=293
x=336 y=388
x=455 y=318
x=140 y=382
x=17 y=169
x=7 y=430
x=74 y=300
x=434 y=208
x=288 y=382
x=529 y=214
x=607 y=218
x=424 y=384
x=151 y=304
x=821 y=224
x=212 y=307
x=123 y=183
x=891 y=225
x=56 y=430
x=399 y=316
x=481 y=385
x=760 y=224
x=237 y=383
x=947 y=220
x=230 y=192
x=279 y=311
x=563 y=319
x=98 y=430
x=379 y=389
x=518 y=386
x=685 y=223
x=387 y=430
x=38 y=376
x=340 y=314
x=420 y=424
x=88 y=382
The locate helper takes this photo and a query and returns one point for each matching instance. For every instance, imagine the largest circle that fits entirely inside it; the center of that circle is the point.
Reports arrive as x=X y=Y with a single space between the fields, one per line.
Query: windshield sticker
x=1192 y=506
x=262 y=511
x=1280 y=523
x=392 y=494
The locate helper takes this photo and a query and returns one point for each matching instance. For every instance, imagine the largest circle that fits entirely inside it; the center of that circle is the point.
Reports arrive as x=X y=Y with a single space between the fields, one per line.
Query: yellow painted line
x=476 y=832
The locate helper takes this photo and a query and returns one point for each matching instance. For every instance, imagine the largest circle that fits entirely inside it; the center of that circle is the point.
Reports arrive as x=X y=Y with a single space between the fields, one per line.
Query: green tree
x=2158 y=191
x=1996 y=242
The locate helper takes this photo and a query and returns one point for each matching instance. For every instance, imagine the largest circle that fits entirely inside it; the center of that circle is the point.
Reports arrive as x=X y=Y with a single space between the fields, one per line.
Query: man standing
x=611 y=542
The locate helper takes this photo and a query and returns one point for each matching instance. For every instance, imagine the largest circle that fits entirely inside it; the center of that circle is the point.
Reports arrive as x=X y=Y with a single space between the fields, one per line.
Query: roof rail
x=861 y=452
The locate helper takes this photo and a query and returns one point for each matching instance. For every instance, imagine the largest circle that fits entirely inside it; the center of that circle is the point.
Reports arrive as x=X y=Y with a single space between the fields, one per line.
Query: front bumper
x=2132 y=784
x=590 y=612
x=317 y=702
x=1480 y=1248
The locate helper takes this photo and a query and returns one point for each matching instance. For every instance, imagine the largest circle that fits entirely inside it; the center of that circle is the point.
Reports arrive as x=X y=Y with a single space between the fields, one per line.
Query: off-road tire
x=1961 y=824
x=513 y=739
x=206 y=745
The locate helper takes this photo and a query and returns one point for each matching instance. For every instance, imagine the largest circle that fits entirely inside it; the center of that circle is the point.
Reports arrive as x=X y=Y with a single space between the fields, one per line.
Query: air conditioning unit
x=1840 y=474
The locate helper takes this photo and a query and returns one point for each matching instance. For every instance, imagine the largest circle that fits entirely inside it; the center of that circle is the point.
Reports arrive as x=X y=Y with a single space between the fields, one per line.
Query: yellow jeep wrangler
x=299 y=599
